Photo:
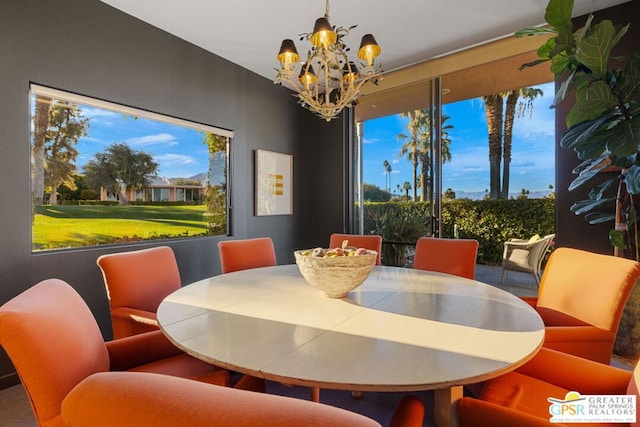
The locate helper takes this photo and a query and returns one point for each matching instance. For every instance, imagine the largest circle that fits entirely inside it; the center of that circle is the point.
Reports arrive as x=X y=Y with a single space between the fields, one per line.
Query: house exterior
x=162 y=190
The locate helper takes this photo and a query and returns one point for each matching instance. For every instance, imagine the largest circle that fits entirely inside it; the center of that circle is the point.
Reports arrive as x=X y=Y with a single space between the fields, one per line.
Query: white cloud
x=164 y=139
x=173 y=160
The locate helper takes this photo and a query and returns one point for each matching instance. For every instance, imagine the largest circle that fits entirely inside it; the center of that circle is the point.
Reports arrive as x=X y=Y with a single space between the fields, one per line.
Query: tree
x=526 y=96
x=57 y=127
x=118 y=169
x=40 y=125
x=66 y=126
x=449 y=194
x=373 y=193
x=524 y=194
x=411 y=148
x=406 y=186
x=419 y=146
x=493 y=105
x=501 y=109
x=387 y=170
x=216 y=194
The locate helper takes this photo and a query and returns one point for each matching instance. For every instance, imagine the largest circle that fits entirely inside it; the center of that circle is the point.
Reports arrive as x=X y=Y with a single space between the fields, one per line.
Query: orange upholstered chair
x=236 y=255
x=581 y=298
x=452 y=256
x=520 y=398
x=54 y=343
x=373 y=242
x=136 y=283
x=125 y=398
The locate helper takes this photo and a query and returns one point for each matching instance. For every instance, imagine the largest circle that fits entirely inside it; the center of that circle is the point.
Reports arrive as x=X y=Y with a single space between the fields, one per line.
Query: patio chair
x=54 y=342
x=581 y=298
x=143 y=399
x=525 y=256
x=372 y=242
x=236 y=255
x=136 y=283
x=451 y=256
x=521 y=398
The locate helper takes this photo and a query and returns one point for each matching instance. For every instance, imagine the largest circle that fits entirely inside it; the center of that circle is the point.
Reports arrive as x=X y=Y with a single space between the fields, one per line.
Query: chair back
x=144 y=399
x=589 y=287
x=54 y=342
x=452 y=256
x=140 y=279
x=236 y=255
x=372 y=242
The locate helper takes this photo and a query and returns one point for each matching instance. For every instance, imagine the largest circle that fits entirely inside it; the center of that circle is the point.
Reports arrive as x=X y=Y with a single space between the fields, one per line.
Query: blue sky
x=181 y=153
x=532 y=159
x=178 y=150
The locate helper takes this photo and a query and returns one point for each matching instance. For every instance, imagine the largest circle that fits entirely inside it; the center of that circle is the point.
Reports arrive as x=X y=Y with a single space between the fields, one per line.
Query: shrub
x=490 y=222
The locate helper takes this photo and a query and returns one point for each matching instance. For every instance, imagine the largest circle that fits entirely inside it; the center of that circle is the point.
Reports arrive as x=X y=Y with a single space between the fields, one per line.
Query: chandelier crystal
x=337 y=82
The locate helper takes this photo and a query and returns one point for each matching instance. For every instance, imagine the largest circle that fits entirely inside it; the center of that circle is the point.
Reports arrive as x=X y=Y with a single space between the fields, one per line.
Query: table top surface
x=401 y=330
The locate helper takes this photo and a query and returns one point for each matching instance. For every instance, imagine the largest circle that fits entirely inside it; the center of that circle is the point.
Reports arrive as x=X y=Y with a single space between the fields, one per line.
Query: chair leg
x=502 y=276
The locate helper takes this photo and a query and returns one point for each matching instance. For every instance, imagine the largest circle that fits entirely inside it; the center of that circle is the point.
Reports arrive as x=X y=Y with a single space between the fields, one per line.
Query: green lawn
x=71 y=226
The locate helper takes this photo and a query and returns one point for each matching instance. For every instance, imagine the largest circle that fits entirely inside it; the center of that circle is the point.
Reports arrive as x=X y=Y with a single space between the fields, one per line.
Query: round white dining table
x=401 y=330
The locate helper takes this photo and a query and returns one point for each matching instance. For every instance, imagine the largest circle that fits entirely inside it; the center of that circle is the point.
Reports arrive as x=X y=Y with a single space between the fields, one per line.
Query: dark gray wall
x=571 y=230
x=87 y=47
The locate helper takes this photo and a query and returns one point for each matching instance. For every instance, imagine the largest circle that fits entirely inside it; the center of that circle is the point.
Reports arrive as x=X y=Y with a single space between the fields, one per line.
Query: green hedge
x=490 y=222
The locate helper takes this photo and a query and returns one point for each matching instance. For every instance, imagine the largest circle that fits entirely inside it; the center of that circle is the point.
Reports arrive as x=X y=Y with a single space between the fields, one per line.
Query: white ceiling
x=249 y=32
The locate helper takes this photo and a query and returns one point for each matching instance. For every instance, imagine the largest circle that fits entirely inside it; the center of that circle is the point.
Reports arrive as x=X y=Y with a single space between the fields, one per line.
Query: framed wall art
x=274 y=183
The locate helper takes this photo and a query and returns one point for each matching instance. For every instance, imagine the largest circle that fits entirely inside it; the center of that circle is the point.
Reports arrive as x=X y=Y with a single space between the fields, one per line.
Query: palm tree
x=493 y=105
x=500 y=118
x=406 y=186
x=411 y=148
x=387 y=170
x=526 y=96
x=419 y=146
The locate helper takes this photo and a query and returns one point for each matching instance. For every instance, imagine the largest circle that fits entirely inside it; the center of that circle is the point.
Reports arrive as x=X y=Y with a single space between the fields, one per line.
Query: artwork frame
x=273 y=183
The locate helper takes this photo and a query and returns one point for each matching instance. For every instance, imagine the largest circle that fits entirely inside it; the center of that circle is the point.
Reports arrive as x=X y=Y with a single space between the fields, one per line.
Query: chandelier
x=336 y=83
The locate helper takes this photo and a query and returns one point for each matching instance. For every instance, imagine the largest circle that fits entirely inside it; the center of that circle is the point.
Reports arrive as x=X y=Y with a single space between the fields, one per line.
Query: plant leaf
x=630 y=84
x=563 y=89
x=599 y=217
x=591 y=102
x=616 y=237
x=584 y=206
x=578 y=138
x=597 y=192
x=632 y=179
x=534 y=31
x=558 y=14
x=620 y=33
x=624 y=136
x=532 y=64
x=587 y=170
x=595 y=48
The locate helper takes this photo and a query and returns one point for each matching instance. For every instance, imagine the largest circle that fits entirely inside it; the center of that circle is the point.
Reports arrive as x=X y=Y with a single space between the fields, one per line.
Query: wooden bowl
x=336 y=276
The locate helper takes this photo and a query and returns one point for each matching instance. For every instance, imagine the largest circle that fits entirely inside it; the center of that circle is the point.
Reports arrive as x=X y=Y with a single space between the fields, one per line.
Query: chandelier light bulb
x=369 y=49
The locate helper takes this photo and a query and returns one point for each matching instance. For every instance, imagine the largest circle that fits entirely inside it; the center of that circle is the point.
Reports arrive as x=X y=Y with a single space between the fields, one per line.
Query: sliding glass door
x=397 y=166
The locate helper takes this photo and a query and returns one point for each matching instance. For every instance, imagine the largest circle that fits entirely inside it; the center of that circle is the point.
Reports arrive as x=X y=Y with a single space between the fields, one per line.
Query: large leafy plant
x=603 y=126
